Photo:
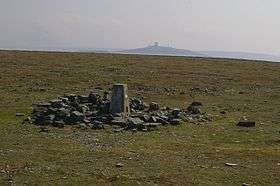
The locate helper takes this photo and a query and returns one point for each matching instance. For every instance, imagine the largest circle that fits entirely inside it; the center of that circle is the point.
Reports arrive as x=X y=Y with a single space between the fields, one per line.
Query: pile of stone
x=97 y=110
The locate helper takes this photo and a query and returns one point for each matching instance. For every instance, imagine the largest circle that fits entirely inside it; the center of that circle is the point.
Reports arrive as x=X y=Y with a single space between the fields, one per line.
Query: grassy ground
x=186 y=155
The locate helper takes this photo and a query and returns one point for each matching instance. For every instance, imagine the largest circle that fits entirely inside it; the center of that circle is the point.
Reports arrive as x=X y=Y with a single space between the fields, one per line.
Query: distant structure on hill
x=156 y=44
x=156 y=49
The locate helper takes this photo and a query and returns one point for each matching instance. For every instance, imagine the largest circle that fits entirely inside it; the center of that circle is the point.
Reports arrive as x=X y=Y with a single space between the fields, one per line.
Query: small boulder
x=153 y=119
x=19 y=114
x=44 y=104
x=145 y=117
x=193 y=110
x=231 y=164
x=196 y=104
x=119 y=165
x=176 y=112
x=163 y=120
x=57 y=103
x=246 y=123
x=97 y=125
x=82 y=126
x=44 y=129
x=94 y=97
x=83 y=99
x=59 y=124
x=175 y=121
x=151 y=126
x=153 y=106
x=119 y=121
x=77 y=117
x=135 y=121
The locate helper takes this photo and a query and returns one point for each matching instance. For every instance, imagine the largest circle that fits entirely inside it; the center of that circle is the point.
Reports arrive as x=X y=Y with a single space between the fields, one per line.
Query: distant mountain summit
x=156 y=49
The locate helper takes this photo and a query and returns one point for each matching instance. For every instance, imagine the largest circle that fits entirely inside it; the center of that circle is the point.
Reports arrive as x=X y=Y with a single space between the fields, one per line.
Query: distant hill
x=241 y=55
x=156 y=49
x=162 y=50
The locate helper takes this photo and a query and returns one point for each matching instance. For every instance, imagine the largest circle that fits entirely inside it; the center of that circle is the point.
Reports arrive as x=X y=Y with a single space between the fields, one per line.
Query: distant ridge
x=241 y=55
x=156 y=49
x=161 y=50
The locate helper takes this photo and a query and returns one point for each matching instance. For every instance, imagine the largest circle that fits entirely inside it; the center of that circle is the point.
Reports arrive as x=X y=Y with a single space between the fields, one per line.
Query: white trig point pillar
x=120 y=101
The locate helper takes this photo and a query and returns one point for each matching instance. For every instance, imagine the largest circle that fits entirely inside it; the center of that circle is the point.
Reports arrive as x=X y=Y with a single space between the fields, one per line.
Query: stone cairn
x=98 y=110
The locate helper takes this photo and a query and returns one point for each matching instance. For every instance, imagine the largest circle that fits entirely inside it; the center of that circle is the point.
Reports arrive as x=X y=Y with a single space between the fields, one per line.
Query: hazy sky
x=232 y=25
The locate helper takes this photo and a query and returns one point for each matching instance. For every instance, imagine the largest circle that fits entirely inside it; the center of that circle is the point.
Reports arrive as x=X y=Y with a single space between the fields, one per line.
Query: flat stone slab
x=152 y=125
x=119 y=121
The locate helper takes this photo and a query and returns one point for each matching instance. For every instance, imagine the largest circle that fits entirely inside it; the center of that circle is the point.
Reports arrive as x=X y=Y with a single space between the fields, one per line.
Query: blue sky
x=231 y=25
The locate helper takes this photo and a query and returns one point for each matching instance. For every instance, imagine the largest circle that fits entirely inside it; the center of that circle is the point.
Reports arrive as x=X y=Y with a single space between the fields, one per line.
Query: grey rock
x=84 y=108
x=161 y=113
x=134 y=130
x=223 y=112
x=137 y=104
x=163 y=120
x=82 y=126
x=52 y=110
x=64 y=100
x=175 y=121
x=58 y=123
x=105 y=96
x=116 y=130
x=153 y=119
x=94 y=98
x=62 y=113
x=76 y=117
x=44 y=129
x=176 y=112
x=246 y=124
x=44 y=104
x=50 y=117
x=87 y=121
x=196 y=104
x=98 y=88
x=153 y=106
x=19 y=114
x=144 y=130
x=83 y=99
x=231 y=164
x=135 y=121
x=193 y=110
x=145 y=117
x=57 y=103
x=71 y=97
x=39 y=109
x=119 y=121
x=119 y=165
x=152 y=125
x=105 y=107
x=27 y=120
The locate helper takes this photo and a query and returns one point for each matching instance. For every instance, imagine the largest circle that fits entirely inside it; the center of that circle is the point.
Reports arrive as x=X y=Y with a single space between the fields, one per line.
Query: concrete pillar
x=120 y=101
